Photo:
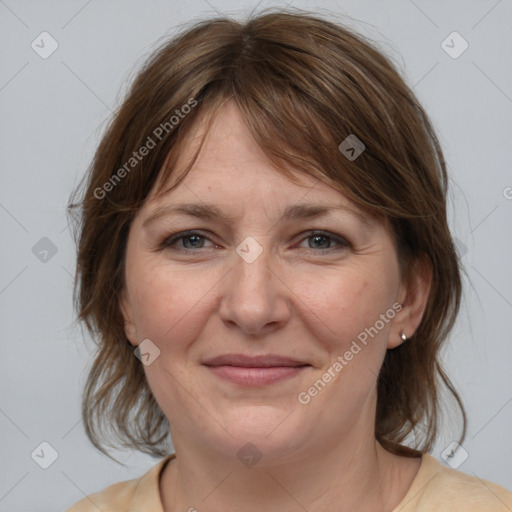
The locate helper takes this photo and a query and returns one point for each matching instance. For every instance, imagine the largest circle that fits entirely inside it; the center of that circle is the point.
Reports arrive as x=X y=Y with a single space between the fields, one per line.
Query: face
x=271 y=328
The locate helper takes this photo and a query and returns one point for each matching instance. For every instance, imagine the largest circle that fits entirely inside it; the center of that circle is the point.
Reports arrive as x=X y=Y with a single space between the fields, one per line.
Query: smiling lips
x=254 y=371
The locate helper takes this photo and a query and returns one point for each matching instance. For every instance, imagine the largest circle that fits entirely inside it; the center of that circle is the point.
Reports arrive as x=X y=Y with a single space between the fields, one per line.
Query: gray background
x=52 y=113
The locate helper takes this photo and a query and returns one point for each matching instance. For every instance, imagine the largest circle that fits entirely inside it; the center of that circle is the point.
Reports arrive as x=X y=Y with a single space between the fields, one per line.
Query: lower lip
x=256 y=376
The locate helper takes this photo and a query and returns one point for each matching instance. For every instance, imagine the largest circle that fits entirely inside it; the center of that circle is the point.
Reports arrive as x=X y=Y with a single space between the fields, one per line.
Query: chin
x=273 y=431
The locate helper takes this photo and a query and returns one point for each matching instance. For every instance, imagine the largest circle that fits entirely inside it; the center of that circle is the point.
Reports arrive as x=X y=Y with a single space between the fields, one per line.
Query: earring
x=403 y=336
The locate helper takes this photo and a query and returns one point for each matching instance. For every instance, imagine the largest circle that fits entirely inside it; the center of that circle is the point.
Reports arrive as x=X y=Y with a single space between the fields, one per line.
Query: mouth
x=256 y=370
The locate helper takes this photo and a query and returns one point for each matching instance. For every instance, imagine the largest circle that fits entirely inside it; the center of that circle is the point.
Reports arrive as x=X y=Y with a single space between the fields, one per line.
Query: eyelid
x=168 y=242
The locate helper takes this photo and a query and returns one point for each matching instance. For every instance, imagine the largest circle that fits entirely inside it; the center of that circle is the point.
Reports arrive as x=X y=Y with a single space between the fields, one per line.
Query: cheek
x=347 y=307
x=169 y=306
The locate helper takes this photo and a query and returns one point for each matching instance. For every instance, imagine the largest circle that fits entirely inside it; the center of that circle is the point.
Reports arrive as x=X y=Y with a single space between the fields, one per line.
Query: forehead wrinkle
x=213 y=213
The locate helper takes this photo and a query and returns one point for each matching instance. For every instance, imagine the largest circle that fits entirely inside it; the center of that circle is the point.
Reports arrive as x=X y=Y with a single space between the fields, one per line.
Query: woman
x=265 y=261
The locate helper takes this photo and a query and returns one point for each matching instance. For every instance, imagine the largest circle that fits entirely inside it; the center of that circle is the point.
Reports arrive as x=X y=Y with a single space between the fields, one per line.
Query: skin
x=294 y=301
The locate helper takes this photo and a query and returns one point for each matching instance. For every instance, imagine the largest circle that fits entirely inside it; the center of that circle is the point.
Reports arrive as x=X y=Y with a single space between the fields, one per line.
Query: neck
x=356 y=474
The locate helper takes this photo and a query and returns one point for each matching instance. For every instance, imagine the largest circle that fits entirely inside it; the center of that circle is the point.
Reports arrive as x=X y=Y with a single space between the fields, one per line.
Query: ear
x=129 y=326
x=413 y=297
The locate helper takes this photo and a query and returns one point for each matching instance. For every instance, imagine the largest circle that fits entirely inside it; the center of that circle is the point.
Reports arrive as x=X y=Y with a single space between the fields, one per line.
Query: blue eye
x=320 y=236
x=192 y=241
x=195 y=238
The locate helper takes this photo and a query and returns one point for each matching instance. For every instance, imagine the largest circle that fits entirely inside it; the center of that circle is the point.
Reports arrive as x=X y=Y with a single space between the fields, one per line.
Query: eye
x=321 y=241
x=191 y=241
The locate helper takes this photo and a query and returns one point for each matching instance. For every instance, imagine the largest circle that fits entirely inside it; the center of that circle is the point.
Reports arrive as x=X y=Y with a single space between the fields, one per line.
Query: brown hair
x=303 y=84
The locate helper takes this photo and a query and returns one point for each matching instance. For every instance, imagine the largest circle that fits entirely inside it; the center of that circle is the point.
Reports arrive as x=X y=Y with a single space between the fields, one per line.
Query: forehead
x=228 y=193
x=233 y=170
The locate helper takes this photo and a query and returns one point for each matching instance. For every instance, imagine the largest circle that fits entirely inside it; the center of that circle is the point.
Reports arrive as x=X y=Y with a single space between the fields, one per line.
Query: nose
x=255 y=298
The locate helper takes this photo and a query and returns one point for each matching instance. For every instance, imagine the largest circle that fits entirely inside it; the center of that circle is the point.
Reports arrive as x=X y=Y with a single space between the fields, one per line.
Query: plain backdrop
x=53 y=111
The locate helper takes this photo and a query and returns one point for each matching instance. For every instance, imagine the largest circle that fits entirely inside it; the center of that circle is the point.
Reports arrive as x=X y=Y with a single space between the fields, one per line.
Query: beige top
x=436 y=488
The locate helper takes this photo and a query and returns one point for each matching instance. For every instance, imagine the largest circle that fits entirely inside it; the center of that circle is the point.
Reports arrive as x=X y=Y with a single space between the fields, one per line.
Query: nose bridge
x=252 y=273
x=253 y=296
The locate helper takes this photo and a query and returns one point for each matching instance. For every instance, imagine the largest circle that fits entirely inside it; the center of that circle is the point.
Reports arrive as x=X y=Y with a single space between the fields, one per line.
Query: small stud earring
x=403 y=336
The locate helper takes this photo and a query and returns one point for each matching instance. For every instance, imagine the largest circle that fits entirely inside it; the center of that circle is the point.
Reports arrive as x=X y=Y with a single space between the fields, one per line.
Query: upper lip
x=242 y=360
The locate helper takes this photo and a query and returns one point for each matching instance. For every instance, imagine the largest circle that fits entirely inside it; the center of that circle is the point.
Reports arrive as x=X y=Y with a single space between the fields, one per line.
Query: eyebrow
x=211 y=212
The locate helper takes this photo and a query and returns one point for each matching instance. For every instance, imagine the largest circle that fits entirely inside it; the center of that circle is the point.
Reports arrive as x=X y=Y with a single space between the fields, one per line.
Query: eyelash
x=170 y=241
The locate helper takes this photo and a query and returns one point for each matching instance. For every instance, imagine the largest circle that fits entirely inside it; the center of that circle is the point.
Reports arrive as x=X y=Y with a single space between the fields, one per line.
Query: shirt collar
x=146 y=495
